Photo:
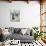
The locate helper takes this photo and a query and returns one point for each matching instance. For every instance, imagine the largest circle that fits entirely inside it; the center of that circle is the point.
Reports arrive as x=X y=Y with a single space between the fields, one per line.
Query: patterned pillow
x=17 y=30
x=11 y=30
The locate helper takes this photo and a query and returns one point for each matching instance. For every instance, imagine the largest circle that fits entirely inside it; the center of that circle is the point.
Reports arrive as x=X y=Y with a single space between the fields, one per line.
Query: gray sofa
x=17 y=35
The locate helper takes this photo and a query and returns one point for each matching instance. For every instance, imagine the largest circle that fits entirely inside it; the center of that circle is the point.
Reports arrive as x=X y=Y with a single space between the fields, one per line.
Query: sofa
x=17 y=34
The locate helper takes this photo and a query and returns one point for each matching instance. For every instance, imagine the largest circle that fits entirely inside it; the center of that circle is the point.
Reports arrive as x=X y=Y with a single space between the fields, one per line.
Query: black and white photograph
x=14 y=15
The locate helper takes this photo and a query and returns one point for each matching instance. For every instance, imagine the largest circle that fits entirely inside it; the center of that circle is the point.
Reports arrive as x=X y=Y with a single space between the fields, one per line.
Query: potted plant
x=37 y=33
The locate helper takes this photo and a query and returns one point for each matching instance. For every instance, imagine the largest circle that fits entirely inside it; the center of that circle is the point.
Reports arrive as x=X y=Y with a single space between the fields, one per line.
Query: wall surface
x=29 y=14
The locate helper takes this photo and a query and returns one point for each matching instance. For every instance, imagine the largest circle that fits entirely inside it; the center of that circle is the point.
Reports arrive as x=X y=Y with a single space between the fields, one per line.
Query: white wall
x=29 y=14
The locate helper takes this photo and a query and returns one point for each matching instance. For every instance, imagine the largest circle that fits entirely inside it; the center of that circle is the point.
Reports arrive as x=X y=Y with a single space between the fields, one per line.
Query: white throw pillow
x=24 y=30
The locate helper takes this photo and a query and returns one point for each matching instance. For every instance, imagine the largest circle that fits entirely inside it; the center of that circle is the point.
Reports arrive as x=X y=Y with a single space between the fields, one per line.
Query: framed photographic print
x=14 y=15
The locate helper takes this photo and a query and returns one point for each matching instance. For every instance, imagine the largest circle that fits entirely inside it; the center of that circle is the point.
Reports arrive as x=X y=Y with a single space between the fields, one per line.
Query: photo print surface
x=14 y=15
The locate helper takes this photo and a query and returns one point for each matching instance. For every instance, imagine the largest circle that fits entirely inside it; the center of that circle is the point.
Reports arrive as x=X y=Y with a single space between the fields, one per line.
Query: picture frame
x=15 y=15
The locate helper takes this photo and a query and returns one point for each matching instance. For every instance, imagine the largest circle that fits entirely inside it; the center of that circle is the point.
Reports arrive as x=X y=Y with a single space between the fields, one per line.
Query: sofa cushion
x=22 y=38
